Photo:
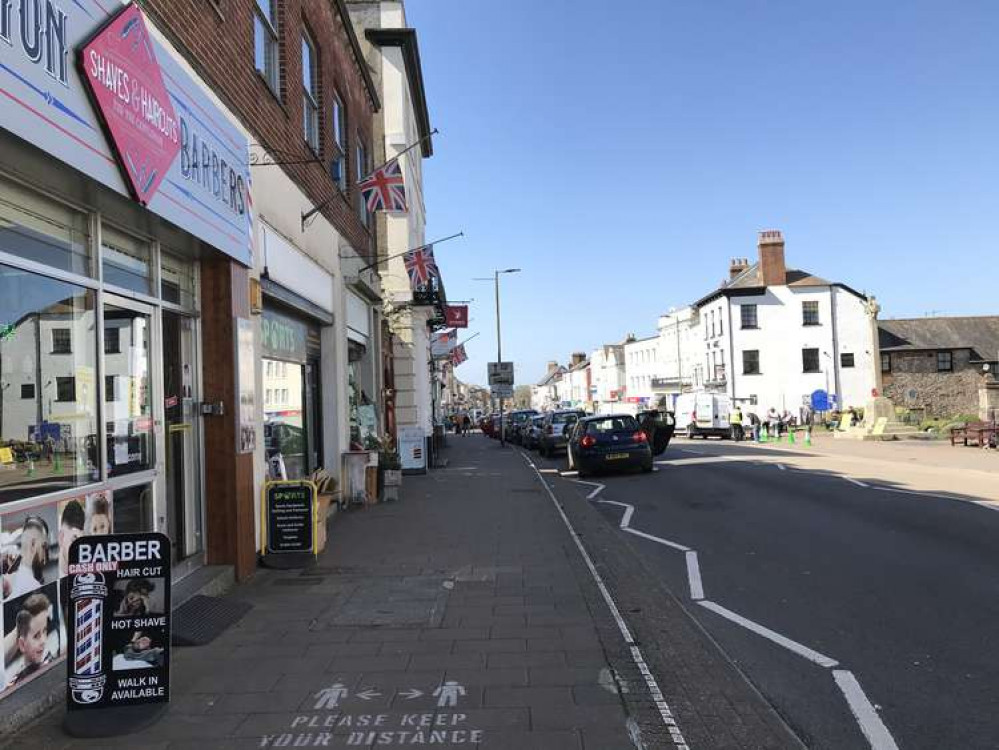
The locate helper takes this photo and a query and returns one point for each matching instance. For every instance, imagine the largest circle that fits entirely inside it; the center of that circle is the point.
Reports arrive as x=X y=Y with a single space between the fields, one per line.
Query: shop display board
x=118 y=671
x=289 y=513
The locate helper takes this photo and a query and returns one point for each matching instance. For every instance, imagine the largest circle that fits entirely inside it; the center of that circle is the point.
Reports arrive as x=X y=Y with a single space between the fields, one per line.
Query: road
x=866 y=617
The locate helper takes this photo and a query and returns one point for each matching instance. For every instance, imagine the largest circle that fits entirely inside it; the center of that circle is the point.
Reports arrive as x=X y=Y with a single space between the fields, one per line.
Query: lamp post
x=499 y=340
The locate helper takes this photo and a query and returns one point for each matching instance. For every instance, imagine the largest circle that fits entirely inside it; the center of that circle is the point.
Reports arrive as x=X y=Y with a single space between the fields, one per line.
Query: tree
x=522 y=397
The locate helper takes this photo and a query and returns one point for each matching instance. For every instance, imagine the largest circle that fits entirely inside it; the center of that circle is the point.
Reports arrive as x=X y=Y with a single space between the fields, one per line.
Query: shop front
x=104 y=241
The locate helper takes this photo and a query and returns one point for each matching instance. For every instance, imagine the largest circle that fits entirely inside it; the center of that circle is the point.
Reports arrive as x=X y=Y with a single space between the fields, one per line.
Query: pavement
x=856 y=587
x=478 y=611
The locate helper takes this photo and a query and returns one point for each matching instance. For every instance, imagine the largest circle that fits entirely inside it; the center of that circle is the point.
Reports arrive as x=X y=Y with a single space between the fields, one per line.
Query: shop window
x=62 y=342
x=125 y=261
x=265 y=43
x=284 y=421
x=177 y=284
x=43 y=230
x=130 y=434
x=51 y=422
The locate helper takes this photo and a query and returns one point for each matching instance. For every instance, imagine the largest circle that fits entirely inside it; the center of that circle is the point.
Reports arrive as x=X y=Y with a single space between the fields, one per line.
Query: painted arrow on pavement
x=368 y=694
x=411 y=694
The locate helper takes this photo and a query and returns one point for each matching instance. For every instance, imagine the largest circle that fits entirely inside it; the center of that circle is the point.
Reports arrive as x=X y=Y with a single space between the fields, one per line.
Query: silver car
x=554 y=434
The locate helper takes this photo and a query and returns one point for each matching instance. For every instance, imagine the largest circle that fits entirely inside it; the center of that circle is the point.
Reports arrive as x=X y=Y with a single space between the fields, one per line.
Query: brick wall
x=941 y=394
x=221 y=50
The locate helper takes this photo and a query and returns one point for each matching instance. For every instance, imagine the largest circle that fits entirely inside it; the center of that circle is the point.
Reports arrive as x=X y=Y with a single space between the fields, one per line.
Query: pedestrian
x=773 y=423
x=466 y=424
x=749 y=421
x=735 y=422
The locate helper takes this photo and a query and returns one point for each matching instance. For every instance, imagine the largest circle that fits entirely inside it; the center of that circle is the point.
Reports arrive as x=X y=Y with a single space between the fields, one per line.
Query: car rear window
x=564 y=417
x=612 y=424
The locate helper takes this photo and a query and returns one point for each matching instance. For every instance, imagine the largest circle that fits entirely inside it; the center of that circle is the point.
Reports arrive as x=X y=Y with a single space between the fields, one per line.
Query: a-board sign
x=119 y=625
x=289 y=517
x=412 y=448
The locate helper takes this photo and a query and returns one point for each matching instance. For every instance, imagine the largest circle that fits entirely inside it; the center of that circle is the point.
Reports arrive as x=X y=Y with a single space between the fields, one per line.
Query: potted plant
x=390 y=469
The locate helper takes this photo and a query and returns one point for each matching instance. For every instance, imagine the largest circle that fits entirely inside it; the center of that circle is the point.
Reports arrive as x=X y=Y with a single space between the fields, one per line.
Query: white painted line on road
x=626 y=518
x=658 y=539
x=780 y=640
x=782 y=467
x=665 y=712
x=694 y=576
x=599 y=487
x=856 y=482
x=567 y=473
x=867 y=716
x=703 y=460
x=549 y=471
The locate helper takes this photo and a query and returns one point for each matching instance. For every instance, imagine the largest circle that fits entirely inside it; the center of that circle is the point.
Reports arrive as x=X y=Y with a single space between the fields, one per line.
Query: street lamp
x=499 y=341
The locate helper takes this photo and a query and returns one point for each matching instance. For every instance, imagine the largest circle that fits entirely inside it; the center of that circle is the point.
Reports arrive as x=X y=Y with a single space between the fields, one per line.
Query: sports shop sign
x=127 y=114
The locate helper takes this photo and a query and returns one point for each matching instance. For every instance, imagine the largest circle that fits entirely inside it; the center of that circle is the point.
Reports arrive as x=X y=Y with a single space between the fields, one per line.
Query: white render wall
x=682 y=324
x=643 y=361
x=607 y=374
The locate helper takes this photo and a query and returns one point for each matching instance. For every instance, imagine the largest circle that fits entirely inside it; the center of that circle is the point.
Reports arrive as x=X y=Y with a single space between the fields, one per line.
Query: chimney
x=552 y=366
x=773 y=272
x=577 y=358
x=737 y=266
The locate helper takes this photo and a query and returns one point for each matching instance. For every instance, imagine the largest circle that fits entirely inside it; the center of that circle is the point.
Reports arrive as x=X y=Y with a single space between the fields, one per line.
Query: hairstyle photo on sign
x=33 y=635
x=138 y=649
x=28 y=551
x=137 y=597
x=88 y=515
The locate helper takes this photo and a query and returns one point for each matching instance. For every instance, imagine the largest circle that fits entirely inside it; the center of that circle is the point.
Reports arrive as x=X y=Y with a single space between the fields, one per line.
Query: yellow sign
x=879 y=426
x=6 y=456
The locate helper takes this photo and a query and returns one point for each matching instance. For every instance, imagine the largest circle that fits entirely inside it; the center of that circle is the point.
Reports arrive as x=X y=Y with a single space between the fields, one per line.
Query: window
x=61 y=341
x=270 y=395
x=809 y=360
x=751 y=362
x=748 y=313
x=721 y=324
x=362 y=172
x=109 y=388
x=126 y=261
x=112 y=340
x=30 y=305
x=265 y=42
x=338 y=164
x=846 y=360
x=40 y=229
x=885 y=363
x=310 y=93
x=810 y=313
x=945 y=361
x=66 y=389
x=269 y=369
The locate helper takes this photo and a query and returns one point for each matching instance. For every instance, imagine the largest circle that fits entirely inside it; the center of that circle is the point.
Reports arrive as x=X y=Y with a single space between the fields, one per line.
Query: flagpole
x=406 y=150
x=406 y=252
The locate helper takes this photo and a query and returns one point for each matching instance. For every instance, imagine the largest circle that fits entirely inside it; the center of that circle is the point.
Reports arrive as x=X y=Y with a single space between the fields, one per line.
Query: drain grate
x=202 y=619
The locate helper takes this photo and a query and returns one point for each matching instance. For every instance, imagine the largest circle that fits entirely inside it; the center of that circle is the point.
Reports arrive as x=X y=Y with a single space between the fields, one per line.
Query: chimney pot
x=773 y=271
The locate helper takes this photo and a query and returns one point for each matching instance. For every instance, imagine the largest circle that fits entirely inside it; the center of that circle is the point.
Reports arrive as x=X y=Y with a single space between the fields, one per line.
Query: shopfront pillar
x=229 y=497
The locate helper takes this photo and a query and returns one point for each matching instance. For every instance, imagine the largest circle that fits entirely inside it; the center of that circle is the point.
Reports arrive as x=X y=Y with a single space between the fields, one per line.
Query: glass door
x=128 y=412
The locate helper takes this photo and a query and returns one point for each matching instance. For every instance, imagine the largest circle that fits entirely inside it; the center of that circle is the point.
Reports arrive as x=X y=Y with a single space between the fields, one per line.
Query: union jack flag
x=458 y=355
x=421 y=266
x=383 y=189
x=88 y=636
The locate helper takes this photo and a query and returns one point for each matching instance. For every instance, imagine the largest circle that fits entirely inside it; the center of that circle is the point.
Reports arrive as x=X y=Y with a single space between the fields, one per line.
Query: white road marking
x=856 y=482
x=658 y=539
x=694 y=576
x=548 y=471
x=702 y=460
x=568 y=473
x=780 y=640
x=867 y=716
x=665 y=712
x=626 y=518
x=599 y=487
x=782 y=467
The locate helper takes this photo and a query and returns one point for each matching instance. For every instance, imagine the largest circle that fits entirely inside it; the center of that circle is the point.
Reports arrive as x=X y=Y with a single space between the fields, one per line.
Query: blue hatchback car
x=607 y=441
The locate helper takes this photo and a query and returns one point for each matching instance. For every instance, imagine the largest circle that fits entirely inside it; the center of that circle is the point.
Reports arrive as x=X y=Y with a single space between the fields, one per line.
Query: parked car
x=518 y=419
x=532 y=432
x=554 y=431
x=608 y=441
x=486 y=425
x=704 y=414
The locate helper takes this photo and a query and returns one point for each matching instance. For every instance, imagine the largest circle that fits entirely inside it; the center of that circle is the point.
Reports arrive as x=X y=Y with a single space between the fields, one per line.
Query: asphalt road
x=900 y=591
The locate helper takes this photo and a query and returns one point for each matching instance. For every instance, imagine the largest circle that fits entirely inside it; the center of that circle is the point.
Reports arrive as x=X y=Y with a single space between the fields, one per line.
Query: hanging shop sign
x=119 y=633
x=456 y=316
x=128 y=115
x=289 y=523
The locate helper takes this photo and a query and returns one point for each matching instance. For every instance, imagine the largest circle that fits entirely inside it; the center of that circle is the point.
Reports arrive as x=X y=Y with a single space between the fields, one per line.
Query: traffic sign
x=501 y=373
x=820 y=400
x=501 y=390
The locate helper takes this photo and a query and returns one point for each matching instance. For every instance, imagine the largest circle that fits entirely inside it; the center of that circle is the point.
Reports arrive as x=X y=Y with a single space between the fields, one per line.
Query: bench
x=979 y=432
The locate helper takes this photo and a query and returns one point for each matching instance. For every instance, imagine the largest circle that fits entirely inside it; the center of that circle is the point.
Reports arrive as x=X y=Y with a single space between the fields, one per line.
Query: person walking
x=773 y=423
x=749 y=422
x=735 y=422
x=466 y=425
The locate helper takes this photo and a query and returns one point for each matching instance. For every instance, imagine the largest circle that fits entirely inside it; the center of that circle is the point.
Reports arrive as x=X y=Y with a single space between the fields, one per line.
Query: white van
x=703 y=414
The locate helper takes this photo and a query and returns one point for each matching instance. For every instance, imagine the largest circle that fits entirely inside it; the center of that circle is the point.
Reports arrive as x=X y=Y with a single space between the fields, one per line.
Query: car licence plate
x=616 y=456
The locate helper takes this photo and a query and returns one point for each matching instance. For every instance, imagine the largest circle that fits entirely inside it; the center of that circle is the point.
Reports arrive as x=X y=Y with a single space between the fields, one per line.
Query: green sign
x=282 y=337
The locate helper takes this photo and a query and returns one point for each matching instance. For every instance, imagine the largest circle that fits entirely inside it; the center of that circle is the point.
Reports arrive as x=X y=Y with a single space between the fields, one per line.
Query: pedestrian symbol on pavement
x=448 y=693
x=330 y=697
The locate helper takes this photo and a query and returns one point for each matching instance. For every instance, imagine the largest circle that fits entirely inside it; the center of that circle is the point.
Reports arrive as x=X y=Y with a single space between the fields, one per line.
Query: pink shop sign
x=125 y=82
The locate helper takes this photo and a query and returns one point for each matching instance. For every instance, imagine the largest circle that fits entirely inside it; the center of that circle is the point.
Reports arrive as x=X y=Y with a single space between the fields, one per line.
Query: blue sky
x=622 y=154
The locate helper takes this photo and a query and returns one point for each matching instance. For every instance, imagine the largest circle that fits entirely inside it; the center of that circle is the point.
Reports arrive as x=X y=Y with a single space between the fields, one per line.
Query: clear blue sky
x=622 y=153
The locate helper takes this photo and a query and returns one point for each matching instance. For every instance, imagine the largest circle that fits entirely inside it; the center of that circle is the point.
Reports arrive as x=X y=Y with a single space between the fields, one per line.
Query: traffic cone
x=790 y=436
x=808 y=437
x=31 y=467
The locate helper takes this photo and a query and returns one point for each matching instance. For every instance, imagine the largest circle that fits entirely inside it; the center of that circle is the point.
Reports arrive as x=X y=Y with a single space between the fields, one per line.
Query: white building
x=643 y=365
x=607 y=367
x=393 y=56
x=545 y=393
x=771 y=336
x=679 y=352
x=576 y=387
